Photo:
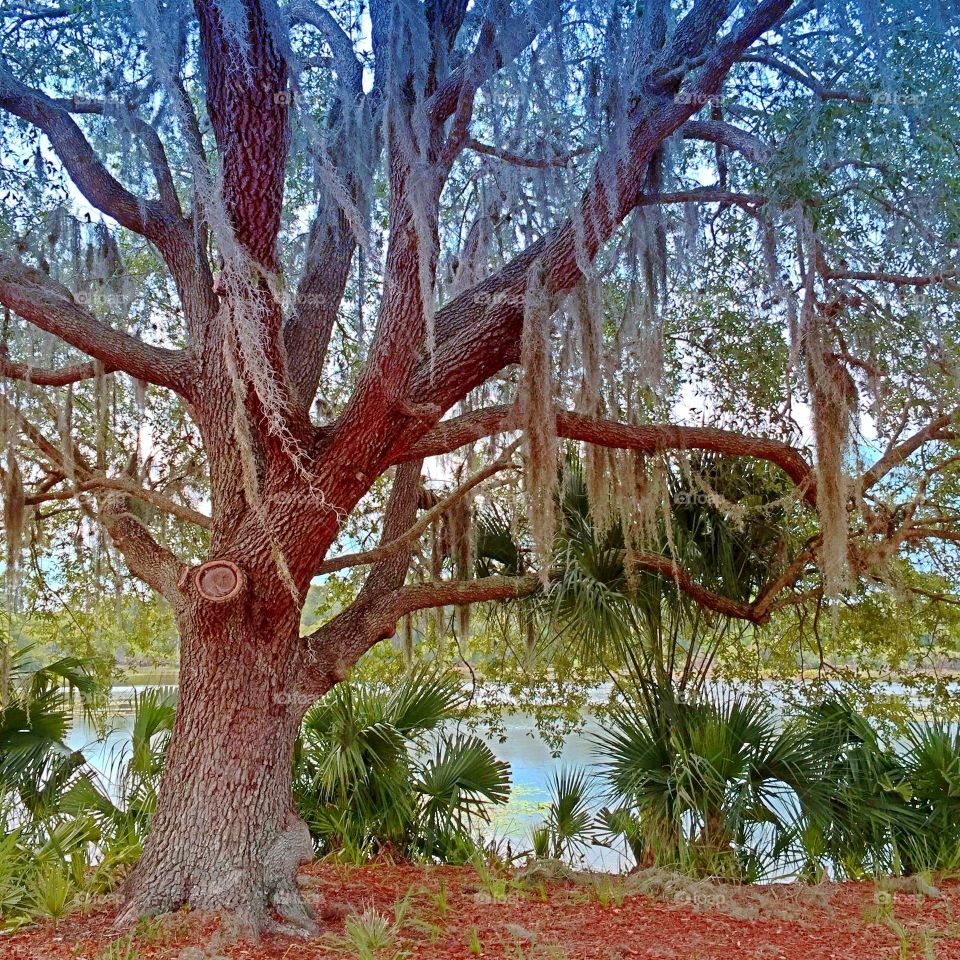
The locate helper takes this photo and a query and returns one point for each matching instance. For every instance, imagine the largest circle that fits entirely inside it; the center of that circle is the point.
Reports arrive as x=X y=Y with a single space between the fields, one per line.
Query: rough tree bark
x=226 y=834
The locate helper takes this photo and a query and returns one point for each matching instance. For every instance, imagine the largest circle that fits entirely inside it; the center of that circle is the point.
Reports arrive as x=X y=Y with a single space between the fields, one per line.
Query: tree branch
x=146 y=132
x=156 y=220
x=51 y=307
x=133 y=490
x=946 y=277
x=413 y=533
x=478 y=333
x=60 y=377
x=518 y=160
x=248 y=104
x=804 y=79
x=146 y=217
x=901 y=452
x=146 y=558
x=728 y=135
x=646 y=438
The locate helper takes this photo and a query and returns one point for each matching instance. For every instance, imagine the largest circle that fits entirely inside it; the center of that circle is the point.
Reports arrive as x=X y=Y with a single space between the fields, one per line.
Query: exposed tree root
x=253 y=901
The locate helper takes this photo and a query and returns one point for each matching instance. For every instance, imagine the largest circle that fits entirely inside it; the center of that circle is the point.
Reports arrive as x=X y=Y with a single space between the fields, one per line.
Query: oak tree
x=346 y=239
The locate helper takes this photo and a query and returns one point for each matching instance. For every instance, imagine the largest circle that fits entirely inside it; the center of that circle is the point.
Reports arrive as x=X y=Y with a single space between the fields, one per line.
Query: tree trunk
x=226 y=835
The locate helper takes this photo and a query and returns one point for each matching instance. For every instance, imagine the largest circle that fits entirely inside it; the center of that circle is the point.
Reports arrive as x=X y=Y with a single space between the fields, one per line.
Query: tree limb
x=646 y=438
x=41 y=377
x=478 y=333
x=50 y=306
x=413 y=533
x=811 y=83
x=728 y=135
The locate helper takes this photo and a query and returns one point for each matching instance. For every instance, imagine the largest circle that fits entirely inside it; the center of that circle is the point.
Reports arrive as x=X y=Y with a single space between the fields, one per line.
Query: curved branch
x=146 y=132
x=147 y=559
x=341 y=642
x=646 y=438
x=518 y=160
x=146 y=217
x=727 y=135
x=157 y=220
x=133 y=490
x=811 y=83
x=41 y=377
x=388 y=549
x=347 y=64
x=51 y=307
x=900 y=453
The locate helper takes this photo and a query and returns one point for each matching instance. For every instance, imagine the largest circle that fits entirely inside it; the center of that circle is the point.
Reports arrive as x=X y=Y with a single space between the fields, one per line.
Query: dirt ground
x=443 y=913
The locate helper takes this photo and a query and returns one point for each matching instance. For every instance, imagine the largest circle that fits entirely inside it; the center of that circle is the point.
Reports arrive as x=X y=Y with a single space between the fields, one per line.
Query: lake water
x=530 y=759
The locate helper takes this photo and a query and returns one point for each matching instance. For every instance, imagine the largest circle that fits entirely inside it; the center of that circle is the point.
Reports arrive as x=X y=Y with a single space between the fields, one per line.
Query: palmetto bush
x=894 y=802
x=712 y=786
x=36 y=765
x=122 y=814
x=43 y=854
x=569 y=826
x=375 y=769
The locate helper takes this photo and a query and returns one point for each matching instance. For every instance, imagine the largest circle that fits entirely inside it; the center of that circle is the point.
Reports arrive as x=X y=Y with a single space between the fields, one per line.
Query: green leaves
x=374 y=768
x=458 y=781
x=569 y=826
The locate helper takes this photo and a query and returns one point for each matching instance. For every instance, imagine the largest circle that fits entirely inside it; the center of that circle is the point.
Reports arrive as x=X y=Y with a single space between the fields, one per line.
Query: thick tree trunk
x=226 y=835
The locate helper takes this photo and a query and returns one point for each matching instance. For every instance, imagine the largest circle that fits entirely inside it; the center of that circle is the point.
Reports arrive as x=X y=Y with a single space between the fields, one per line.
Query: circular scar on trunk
x=219 y=580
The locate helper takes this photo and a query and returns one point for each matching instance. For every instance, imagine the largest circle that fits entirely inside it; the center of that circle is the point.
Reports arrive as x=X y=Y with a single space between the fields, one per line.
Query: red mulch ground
x=451 y=910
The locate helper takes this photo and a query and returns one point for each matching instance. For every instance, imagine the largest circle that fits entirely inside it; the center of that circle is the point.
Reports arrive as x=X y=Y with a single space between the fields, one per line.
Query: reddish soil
x=453 y=913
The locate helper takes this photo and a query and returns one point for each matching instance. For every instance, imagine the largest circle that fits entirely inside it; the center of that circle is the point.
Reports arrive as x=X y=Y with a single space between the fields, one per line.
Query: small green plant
x=569 y=827
x=441 y=901
x=607 y=892
x=123 y=949
x=373 y=936
x=473 y=941
x=492 y=885
x=53 y=890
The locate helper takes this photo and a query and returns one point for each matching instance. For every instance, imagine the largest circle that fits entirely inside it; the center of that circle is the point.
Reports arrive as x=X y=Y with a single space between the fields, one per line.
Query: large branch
x=352 y=142
x=322 y=649
x=50 y=306
x=147 y=134
x=420 y=157
x=340 y=643
x=248 y=104
x=95 y=182
x=154 y=564
x=646 y=438
x=478 y=333
x=500 y=42
x=157 y=220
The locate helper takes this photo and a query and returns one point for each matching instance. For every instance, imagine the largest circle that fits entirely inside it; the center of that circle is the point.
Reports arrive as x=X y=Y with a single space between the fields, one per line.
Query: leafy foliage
x=368 y=776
